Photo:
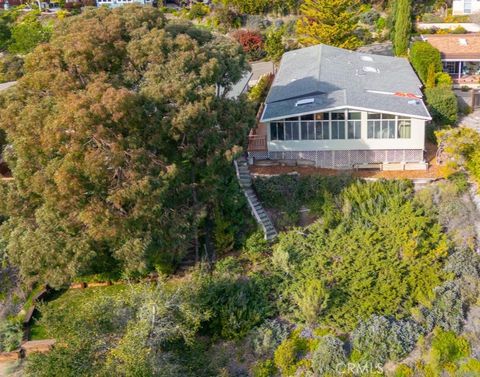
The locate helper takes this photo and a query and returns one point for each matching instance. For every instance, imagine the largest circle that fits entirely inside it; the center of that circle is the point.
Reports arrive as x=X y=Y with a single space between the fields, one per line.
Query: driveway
x=472 y=120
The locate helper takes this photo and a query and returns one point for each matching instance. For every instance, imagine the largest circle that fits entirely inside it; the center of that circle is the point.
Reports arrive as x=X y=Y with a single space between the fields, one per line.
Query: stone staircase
x=245 y=181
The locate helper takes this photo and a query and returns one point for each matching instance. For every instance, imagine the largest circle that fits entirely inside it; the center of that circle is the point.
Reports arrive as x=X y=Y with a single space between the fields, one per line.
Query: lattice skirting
x=345 y=159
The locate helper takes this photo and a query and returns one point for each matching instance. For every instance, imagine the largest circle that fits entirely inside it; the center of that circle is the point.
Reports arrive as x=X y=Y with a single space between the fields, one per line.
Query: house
x=335 y=108
x=460 y=55
x=465 y=7
x=119 y=3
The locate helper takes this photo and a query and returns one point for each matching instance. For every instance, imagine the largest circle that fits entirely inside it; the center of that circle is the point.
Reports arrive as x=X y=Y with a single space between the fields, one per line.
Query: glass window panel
x=273 y=131
x=292 y=119
x=373 y=116
x=326 y=130
x=391 y=129
x=404 y=129
x=378 y=130
x=280 y=132
x=311 y=130
x=338 y=116
x=304 y=130
x=307 y=117
x=384 y=134
x=322 y=116
x=295 y=131
x=388 y=116
x=370 y=130
x=338 y=130
x=288 y=130
x=318 y=131
x=354 y=116
x=358 y=130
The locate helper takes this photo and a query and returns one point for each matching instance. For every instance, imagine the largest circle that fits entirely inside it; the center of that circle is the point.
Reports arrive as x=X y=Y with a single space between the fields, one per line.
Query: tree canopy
x=121 y=146
x=331 y=22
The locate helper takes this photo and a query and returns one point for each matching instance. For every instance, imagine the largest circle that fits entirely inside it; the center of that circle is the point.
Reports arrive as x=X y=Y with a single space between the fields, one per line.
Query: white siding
x=416 y=141
x=462 y=7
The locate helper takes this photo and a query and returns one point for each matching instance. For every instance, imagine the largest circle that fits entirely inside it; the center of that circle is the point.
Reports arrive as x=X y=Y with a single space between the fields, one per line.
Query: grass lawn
x=71 y=298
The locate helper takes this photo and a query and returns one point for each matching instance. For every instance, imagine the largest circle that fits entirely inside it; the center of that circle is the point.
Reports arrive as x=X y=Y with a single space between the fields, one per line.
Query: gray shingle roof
x=338 y=78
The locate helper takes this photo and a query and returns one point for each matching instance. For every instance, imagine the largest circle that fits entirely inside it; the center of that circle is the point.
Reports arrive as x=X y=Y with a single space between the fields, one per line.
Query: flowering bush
x=252 y=43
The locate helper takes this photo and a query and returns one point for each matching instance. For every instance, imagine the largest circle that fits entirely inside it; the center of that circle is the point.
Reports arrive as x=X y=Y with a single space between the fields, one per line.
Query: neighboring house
x=465 y=7
x=119 y=3
x=460 y=55
x=336 y=108
x=7 y=4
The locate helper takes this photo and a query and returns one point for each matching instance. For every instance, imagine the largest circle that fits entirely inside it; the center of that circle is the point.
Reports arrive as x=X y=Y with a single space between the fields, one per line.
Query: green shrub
x=468 y=368
x=311 y=299
x=447 y=348
x=442 y=104
x=274 y=46
x=459 y=30
x=11 y=68
x=259 y=92
x=448 y=309
x=236 y=304
x=11 y=334
x=265 y=368
x=288 y=354
x=403 y=371
x=256 y=247
x=328 y=354
x=422 y=55
x=380 y=339
x=366 y=255
x=268 y=336
x=443 y=79
x=198 y=10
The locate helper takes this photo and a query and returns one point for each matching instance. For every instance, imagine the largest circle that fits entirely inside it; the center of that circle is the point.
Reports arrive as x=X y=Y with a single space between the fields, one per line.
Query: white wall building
x=465 y=7
x=343 y=109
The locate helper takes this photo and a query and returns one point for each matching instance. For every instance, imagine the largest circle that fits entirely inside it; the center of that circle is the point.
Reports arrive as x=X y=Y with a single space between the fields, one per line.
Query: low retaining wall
x=470 y=27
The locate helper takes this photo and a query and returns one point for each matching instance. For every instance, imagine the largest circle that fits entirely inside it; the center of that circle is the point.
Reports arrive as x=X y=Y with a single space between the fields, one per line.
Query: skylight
x=366 y=58
x=370 y=69
x=462 y=42
x=305 y=101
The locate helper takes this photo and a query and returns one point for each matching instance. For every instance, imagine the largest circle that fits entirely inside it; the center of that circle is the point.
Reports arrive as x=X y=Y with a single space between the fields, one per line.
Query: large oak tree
x=120 y=145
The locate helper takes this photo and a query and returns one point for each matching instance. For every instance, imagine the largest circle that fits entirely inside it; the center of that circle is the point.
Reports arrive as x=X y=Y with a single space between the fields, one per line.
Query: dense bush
x=453 y=208
x=268 y=336
x=259 y=92
x=28 y=32
x=447 y=348
x=442 y=104
x=265 y=368
x=288 y=193
x=274 y=46
x=364 y=251
x=198 y=10
x=464 y=263
x=11 y=334
x=380 y=339
x=251 y=42
x=289 y=354
x=11 y=68
x=422 y=55
x=448 y=308
x=236 y=304
x=328 y=354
